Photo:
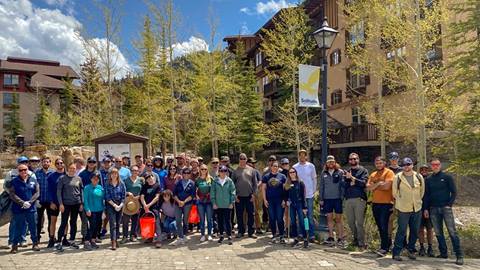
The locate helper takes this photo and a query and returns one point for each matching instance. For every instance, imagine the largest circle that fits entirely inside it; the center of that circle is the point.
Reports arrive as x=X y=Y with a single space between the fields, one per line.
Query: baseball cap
x=424 y=166
x=215 y=160
x=225 y=158
x=22 y=159
x=157 y=158
x=251 y=160
x=330 y=158
x=92 y=159
x=393 y=156
x=284 y=161
x=106 y=159
x=407 y=161
x=34 y=158
x=223 y=168
x=200 y=159
x=272 y=158
x=186 y=171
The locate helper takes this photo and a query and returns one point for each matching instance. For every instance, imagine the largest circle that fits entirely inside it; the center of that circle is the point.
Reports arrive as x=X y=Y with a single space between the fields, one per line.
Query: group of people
x=122 y=193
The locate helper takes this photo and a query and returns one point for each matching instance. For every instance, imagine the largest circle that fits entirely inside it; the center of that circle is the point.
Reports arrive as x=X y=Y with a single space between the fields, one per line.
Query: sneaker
x=24 y=244
x=124 y=240
x=51 y=243
x=87 y=246
x=94 y=245
x=59 y=247
x=229 y=241
x=459 y=261
x=312 y=240
x=412 y=256
x=210 y=238
x=442 y=256
x=220 y=240
x=158 y=244
x=259 y=232
x=341 y=243
x=282 y=240
x=65 y=242
x=329 y=241
x=273 y=240
x=305 y=244
x=179 y=241
x=295 y=242
x=381 y=252
x=133 y=239
x=35 y=247
x=422 y=252
x=397 y=258
x=252 y=236
x=73 y=245
x=202 y=239
x=98 y=241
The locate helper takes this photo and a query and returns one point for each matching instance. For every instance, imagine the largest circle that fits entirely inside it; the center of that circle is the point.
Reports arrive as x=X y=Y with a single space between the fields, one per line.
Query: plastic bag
x=193 y=217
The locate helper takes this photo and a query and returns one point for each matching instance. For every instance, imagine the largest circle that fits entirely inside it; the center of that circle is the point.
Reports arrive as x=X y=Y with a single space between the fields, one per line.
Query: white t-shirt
x=307 y=173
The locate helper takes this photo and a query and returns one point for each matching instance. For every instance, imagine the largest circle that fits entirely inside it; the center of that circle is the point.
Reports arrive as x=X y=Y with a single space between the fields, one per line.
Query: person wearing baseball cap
x=307 y=173
x=393 y=159
x=271 y=159
x=215 y=164
x=223 y=196
x=408 y=190
x=285 y=164
x=184 y=193
x=331 y=199
x=33 y=163
x=181 y=162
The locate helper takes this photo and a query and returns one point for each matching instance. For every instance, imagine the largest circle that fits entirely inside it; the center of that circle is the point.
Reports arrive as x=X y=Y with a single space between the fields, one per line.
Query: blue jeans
x=169 y=225
x=205 y=211
x=275 y=217
x=297 y=211
x=181 y=218
x=311 y=224
x=115 y=219
x=20 y=221
x=11 y=232
x=412 y=220
x=438 y=215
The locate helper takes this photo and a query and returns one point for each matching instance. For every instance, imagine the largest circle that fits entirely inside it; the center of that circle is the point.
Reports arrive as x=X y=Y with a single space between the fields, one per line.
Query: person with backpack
x=408 y=190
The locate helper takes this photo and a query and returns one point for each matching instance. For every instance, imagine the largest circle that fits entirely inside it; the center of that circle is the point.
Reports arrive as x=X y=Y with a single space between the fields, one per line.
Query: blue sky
x=47 y=26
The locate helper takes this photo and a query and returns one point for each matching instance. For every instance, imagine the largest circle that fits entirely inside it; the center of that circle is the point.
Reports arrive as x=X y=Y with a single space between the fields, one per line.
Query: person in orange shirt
x=380 y=184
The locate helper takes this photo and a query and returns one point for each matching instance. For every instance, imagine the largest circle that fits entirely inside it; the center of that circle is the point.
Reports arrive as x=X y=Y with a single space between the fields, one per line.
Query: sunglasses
x=59 y=163
x=92 y=162
x=243 y=159
x=222 y=170
x=149 y=165
x=203 y=169
x=292 y=172
x=435 y=164
x=23 y=170
x=214 y=162
x=118 y=161
x=408 y=164
x=187 y=173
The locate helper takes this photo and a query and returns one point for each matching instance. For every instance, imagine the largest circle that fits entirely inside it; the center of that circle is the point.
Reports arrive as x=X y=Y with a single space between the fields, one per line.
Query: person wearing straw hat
x=133 y=186
x=93 y=204
x=149 y=197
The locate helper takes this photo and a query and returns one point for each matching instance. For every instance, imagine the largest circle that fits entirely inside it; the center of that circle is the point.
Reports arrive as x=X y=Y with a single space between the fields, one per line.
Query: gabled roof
x=120 y=134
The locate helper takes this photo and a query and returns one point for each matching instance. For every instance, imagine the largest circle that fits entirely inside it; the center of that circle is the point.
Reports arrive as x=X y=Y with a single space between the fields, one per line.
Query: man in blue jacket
x=440 y=195
x=43 y=204
x=24 y=191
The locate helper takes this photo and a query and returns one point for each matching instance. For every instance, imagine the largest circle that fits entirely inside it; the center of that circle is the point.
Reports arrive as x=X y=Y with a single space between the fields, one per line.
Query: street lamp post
x=324 y=38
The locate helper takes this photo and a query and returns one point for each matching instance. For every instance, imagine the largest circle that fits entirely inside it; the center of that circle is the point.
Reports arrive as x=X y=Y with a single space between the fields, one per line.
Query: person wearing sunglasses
x=42 y=203
x=133 y=186
x=86 y=176
x=123 y=170
x=356 y=199
x=53 y=209
x=440 y=196
x=149 y=197
x=171 y=178
x=215 y=163
x=245 y=181
x=205 y=208
x=275 y=199
x=24 y=191
x=183 y=194
x=298 y=206
x=408 y=189
x=150 y=169
x=223 y=197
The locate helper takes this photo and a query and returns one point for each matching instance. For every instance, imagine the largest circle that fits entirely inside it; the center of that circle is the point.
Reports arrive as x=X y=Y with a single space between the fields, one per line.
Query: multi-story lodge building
x=28 y=80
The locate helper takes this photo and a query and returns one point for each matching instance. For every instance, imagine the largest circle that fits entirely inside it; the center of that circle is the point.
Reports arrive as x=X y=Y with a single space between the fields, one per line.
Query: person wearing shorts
x=331 y=195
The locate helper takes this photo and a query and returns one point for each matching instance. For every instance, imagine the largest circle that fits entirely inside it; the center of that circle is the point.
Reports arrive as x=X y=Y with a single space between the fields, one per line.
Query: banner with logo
x=308 y=79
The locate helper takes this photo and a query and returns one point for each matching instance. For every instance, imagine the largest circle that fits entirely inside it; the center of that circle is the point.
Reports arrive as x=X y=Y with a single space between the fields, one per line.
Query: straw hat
x=132 y=206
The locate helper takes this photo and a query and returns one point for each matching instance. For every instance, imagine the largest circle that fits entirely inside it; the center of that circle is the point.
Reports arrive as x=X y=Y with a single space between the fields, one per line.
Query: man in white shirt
x=307 y=173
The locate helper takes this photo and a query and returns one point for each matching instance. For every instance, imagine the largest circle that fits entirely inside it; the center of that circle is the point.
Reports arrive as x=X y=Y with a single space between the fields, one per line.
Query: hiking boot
x=94 y=245
x=124 y=240
x=397 y=258
x=87 y=246
x=35 y=247
x=14 y=250
x=430 y=252
x=459 y=261
x=422 y=252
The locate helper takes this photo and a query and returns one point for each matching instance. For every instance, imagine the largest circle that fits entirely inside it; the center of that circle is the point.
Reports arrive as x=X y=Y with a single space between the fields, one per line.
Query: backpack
x=416 y=175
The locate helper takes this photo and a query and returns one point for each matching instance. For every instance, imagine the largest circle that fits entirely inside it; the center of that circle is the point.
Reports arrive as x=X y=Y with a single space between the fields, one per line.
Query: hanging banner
x=308 y=78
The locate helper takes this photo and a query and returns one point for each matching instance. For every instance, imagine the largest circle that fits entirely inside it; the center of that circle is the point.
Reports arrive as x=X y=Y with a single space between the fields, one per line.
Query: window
x=8 y=99
x=258 y=59
x=357 y=34
x=10 y=79
x=265 y=80
x=357 y=117
x=357 y=80
x=336 y=97
x=335 y=58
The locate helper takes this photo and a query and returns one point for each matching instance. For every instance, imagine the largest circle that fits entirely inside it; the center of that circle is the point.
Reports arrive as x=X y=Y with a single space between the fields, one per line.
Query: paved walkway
x=243 y=254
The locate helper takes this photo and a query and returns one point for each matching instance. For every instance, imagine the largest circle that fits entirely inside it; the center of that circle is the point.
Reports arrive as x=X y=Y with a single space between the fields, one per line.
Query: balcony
x=355 y=133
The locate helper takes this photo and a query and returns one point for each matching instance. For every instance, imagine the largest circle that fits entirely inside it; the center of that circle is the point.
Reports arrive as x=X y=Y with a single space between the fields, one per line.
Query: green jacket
x=223 y=196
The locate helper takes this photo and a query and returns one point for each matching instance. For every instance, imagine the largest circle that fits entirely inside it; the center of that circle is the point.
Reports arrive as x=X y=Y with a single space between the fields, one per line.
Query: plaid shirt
x=115 y=193
x=43 y=183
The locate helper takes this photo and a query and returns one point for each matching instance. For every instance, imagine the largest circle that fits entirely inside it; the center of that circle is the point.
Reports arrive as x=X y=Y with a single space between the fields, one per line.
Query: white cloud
x=244 y=29
x=28 y=31
x=267 y=8
x=194 y=44
x=56 y=2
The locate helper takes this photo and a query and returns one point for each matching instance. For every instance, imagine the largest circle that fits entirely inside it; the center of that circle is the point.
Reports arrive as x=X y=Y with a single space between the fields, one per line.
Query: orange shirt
x=382 y=196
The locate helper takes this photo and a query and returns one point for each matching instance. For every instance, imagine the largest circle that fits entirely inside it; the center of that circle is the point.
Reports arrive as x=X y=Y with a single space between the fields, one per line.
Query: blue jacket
x=161 y=176
x=358 y=189
x=115 y=193
x=23 y=191
x=183 y=193
x=86 y=177
x=43 y=183
x=52 y=180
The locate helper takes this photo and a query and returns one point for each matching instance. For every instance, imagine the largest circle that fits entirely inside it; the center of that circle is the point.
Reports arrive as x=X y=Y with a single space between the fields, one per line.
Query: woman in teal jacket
x=222 y=196
x=93 y=198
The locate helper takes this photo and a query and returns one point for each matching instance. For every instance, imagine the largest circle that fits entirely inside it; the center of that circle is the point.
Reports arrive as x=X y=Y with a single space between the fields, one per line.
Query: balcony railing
x=355 y=133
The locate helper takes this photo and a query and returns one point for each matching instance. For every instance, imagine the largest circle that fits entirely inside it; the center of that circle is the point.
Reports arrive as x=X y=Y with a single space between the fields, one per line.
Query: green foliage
x=13 y=126
x=470 y=236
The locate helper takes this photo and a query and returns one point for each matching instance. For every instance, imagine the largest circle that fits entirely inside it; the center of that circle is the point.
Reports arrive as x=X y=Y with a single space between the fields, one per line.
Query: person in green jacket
x=223 y=197
x=93 y=198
